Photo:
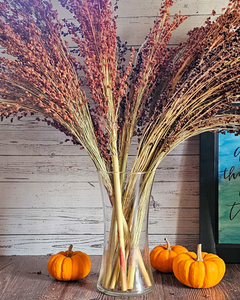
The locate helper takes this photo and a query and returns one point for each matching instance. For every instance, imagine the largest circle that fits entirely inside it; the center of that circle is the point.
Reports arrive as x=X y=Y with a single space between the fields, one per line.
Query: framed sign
x=220 y=195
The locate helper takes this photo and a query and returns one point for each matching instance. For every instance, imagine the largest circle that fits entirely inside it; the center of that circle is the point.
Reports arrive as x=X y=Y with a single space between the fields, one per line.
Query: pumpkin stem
x=168 y=244
x=70 y=252
x=199 y=252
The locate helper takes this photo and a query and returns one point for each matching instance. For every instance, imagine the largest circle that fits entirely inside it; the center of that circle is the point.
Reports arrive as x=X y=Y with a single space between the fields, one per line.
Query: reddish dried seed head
x=184 y=88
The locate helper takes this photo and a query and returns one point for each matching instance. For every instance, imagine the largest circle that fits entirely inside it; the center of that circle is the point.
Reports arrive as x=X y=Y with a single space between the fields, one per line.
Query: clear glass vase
x=126 y=268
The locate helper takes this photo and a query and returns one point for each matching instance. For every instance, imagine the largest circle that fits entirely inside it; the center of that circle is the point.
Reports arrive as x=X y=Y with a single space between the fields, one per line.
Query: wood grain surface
x=27 y=278
x=50 y=197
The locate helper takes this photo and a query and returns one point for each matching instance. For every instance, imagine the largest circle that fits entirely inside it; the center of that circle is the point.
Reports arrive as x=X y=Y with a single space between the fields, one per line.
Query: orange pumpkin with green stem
x=201 y=270
x=69 y=265
x=162 y=256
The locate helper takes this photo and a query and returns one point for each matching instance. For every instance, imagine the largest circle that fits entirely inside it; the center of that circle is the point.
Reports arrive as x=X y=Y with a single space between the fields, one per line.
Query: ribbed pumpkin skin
x=162 y=259
x=71 y=268
x=198 y=274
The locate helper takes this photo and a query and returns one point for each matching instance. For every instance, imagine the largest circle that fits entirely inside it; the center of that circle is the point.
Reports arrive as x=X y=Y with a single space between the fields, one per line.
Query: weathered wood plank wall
x=49 y=193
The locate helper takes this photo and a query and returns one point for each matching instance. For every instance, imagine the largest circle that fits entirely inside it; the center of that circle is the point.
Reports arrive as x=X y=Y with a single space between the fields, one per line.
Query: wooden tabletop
x=27 y=278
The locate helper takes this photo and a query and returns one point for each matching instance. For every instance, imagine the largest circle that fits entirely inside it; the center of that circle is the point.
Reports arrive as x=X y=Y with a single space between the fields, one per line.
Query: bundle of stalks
x=163 y=95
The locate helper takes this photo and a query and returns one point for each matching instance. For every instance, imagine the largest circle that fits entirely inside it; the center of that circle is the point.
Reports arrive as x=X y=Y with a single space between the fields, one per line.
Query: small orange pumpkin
x=69 y=265
x=161 y=257
x=201 y=270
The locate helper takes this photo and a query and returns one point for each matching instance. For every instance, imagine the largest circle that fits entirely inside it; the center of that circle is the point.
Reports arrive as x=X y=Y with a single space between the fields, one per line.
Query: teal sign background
x=229 y=189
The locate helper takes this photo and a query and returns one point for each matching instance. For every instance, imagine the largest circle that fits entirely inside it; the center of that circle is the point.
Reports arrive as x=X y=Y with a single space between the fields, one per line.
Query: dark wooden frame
x=230 y=253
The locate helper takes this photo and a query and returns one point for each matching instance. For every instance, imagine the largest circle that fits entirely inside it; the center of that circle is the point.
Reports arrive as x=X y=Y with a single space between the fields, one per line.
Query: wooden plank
x=36 y=143
x=134 y=29
x=49 y=244
x=27 y=195
x=133 y=8
x=140 y=26
x=75 y=169
x=66 y=220
x=187 y=7
x=92 y=243
x=137 y=17
x=19 y=278
x=174 y=221
x=50 y=194
x=45 y=142
x=27 y=277
x=26 y=123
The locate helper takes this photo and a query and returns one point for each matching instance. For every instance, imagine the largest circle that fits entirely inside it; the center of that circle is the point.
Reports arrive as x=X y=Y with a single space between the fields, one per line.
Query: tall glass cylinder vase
x=126 y=268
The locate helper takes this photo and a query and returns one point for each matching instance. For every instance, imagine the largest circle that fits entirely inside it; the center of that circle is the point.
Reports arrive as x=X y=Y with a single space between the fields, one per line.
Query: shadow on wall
x=188 y=206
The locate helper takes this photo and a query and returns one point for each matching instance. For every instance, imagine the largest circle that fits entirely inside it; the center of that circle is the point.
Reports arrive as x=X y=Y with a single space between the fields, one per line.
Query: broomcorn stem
x=119 y=216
